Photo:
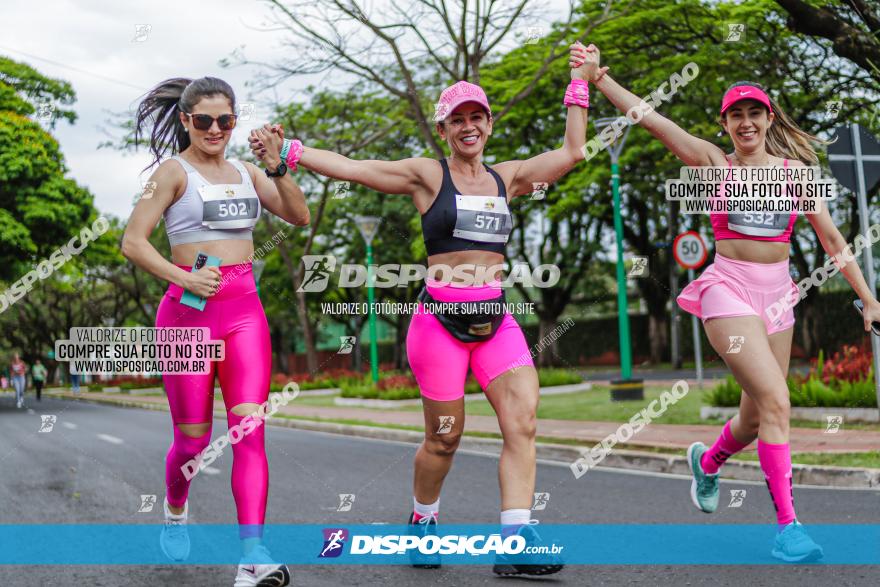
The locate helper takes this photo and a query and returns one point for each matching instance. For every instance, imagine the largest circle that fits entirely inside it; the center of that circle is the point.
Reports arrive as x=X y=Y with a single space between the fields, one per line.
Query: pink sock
x=776 y=463
x=250 y=476
x=181 y=451
x=725 y=447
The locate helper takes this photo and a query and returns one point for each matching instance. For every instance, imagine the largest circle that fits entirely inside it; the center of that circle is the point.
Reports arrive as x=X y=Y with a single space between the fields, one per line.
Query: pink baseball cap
x=737 y=93
x=456 y=95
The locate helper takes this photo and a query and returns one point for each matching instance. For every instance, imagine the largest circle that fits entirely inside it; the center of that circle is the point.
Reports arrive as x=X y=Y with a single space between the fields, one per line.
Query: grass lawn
x=869 y=459
x=596 y=405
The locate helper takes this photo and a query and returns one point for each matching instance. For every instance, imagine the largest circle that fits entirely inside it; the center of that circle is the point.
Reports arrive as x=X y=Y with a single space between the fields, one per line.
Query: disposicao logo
x=334 y=541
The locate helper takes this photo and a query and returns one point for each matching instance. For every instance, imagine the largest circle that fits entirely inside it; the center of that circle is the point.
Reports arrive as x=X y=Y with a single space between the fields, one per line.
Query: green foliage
x=368 y=391
x=549 y=377
x=810 y=393
x=726 y=394
x=23 y=89
x=365 y=388
x=40 y=208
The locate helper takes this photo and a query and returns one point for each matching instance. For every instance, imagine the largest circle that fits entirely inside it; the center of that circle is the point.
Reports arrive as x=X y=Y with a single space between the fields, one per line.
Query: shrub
x=846 y=380
x=548 y=377
x=396 y=382
x=368 y=391
x=849 y=364
x=726 y=394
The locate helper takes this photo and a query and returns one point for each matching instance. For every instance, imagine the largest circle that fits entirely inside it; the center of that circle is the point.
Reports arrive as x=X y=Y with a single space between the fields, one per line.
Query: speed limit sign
x=689 y=250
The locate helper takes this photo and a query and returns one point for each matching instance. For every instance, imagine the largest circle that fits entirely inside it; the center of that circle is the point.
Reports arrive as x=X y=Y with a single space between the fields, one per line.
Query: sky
x=113 y=52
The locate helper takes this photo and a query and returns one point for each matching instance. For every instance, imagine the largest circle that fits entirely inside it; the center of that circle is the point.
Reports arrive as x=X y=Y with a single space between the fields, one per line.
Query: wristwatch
x=279 y=171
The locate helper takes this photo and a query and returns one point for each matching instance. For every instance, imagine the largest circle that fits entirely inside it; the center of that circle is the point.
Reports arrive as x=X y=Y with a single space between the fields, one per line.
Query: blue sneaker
x=528 y=564
x=424 y=527
x=793 y=545
x=704 y=488
x=174 y=539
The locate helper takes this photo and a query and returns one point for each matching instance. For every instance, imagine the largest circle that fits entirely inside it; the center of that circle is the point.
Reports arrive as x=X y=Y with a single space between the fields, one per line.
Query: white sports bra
x=210 y=212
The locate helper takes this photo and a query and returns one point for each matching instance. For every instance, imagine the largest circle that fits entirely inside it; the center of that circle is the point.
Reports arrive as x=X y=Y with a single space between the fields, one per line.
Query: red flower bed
x=851 y=363
x=396 y=382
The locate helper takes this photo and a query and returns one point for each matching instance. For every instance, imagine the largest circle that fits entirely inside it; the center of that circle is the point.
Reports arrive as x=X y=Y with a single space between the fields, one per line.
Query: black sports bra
x=461 y=222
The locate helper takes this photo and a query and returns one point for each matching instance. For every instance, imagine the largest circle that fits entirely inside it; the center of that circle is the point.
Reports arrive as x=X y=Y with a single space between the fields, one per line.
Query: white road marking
x=110 y=439
x=211 y=471
x=69 y=425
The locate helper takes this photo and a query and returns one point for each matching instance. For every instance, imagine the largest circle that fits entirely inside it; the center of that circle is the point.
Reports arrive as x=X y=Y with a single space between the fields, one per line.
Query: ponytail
x=785 y=138
x=161 y=107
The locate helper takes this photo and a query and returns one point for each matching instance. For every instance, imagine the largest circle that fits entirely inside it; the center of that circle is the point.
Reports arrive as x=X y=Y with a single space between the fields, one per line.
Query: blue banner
x=634 y=544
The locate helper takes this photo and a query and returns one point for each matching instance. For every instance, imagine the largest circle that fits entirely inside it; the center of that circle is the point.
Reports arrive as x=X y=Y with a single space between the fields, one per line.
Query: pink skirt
x=729 y=287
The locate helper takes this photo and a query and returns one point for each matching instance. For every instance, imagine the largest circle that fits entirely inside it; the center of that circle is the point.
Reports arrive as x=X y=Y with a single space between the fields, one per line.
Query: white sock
x=515 y=517
x=426 y=510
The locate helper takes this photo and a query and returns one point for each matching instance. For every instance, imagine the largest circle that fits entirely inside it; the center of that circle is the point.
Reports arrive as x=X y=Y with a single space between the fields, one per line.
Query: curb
x=818 y=475
x=799 y=413
x=360 y=402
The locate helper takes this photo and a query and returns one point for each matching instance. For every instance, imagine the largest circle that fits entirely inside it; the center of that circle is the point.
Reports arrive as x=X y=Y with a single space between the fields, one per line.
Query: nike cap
x=738 y=93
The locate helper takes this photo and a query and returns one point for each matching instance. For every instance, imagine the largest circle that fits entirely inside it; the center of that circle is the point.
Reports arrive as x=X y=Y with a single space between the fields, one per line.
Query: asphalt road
x=98 y=460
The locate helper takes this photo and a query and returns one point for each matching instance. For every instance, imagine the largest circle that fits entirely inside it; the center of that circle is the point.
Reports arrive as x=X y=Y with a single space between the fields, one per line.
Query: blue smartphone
x=875 y=326
x=189 y=298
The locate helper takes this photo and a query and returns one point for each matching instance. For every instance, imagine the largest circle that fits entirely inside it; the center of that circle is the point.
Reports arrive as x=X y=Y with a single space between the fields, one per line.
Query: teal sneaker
x=424 y=527
x=793 y=545
x=174 y=539
x=704 y=488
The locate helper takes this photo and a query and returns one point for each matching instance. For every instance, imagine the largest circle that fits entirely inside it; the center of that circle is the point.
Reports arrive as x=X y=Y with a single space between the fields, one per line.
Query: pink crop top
x=752 y=226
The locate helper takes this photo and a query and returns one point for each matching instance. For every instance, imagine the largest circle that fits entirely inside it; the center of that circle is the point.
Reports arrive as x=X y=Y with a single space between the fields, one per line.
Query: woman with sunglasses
x=749 y=275
x=210 y=206
x=466 y=223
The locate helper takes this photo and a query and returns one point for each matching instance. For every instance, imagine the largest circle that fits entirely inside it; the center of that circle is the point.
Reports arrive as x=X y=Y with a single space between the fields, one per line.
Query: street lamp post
x=368 y=226
x=626 y=387
x=257 y=267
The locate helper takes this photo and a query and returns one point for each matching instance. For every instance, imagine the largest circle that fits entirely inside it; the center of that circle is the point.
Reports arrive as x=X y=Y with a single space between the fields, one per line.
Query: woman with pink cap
x=735 y=295
x=466 y=223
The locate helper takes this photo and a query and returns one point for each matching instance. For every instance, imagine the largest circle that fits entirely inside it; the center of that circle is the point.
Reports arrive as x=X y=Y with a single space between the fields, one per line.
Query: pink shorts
x=440 y=361
x=729 y=287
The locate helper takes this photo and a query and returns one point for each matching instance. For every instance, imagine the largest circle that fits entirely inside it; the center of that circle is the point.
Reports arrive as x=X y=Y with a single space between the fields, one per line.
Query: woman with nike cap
x=466 y=223
x=749 y=275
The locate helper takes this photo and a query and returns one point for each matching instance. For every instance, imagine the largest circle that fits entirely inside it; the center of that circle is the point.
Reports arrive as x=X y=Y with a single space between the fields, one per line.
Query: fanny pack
x=468 y=321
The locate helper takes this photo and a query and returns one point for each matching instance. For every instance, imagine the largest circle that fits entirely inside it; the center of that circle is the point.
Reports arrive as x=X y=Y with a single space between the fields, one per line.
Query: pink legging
x=234 y=315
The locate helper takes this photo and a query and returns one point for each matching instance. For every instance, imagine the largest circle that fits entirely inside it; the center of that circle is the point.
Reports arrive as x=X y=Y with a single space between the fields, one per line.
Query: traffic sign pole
x=698 y=346
x=869 y=257
x=690 y=252
x=838 y=154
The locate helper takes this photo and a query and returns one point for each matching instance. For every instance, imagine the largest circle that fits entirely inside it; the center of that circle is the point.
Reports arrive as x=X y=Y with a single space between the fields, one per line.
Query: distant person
x=19 y=379
x=38 y=374
x=74 y=382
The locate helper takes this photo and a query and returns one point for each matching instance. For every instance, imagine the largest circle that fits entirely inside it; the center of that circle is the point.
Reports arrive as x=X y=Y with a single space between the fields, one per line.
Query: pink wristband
x=293 y=154
x=577 y=94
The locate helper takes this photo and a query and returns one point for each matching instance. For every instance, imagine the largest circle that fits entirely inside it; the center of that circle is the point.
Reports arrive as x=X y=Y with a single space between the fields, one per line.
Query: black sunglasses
x=204 y=121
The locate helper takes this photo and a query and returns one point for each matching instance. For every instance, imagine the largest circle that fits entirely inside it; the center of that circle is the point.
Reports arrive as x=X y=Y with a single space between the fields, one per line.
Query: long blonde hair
x=784 y=138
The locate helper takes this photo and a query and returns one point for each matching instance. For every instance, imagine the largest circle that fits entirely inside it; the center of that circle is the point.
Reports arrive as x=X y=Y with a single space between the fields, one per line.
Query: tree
x=40 y=208
x=852 y=27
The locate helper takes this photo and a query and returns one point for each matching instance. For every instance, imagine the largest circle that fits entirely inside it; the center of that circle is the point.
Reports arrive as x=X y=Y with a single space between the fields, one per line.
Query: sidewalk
x=669 y=436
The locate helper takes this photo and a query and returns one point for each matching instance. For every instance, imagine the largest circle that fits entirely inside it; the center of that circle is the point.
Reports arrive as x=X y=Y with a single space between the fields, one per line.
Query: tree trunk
x=658 y=331
x=549 y=349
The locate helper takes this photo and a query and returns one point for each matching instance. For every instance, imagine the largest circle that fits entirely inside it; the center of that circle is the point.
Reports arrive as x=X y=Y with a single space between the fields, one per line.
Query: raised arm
x=691 y=150
x=406 y=176
x=547 y=167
